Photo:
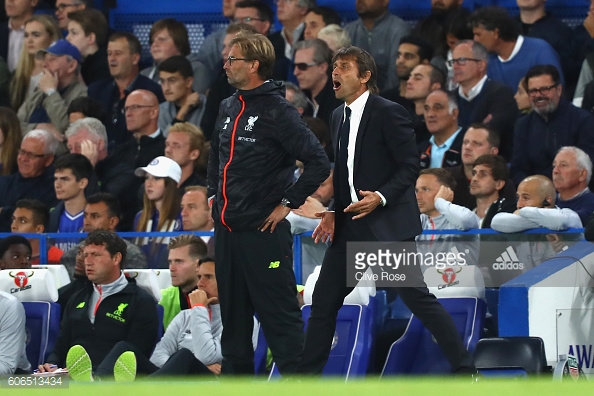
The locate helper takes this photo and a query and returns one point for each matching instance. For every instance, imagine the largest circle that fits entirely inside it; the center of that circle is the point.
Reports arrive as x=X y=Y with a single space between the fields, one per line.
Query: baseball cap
x=60 y=48
x=161 y=167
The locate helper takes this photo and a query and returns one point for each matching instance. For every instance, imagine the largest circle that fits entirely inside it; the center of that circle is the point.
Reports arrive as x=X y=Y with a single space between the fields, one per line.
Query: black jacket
x=137 y=323
x=258 y=135
x=452 y=157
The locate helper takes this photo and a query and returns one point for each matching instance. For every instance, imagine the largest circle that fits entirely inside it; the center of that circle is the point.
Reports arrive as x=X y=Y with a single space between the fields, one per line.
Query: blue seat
x=353 y=341
x=416 y=352
x=260 y=354
x=43 y=327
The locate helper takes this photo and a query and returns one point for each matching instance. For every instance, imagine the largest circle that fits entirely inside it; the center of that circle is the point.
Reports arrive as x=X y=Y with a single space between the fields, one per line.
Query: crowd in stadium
x=498 y=109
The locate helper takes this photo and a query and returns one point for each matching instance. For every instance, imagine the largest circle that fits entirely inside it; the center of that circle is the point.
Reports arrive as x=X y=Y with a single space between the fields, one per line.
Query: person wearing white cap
x=161 y=207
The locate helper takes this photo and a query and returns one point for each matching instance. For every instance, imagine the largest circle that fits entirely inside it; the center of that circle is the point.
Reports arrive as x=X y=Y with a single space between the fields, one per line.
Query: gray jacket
x=13 y=335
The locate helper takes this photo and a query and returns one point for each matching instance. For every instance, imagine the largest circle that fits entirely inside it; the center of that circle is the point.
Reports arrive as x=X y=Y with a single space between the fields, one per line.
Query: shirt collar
x=474 y=91
x=19 y=29
x=517 y=47
x=154 y=135
x=358 y=104
x=448 y=142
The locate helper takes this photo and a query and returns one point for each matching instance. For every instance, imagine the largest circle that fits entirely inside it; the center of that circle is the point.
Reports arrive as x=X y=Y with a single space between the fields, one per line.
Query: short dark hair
x=496 y=163
x=206 y=259
x=492 y=134
x=443 y=176
x=112 y=203
x=492 y=18
x=540 y=70
x=80 y=165
x=436 y=75
x=177 y=30
x=113 y=243
x=457 y=25
x=89 y=107
x=365 y=63
x=9 y=241
x=320 y=129
x=133 y=42
x=328 y=14
x=425 y=51
x=39 y=210
x=177 y=63
x=264 y=10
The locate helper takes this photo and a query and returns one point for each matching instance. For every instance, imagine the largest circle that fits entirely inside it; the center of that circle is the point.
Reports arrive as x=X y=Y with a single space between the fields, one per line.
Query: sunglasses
x=304 y=66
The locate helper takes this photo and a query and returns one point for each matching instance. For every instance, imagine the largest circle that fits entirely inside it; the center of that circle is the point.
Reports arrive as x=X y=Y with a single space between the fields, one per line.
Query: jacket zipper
x=226 y=201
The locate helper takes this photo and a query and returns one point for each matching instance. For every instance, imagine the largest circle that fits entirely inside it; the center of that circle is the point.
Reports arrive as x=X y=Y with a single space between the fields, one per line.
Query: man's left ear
x=366 y=78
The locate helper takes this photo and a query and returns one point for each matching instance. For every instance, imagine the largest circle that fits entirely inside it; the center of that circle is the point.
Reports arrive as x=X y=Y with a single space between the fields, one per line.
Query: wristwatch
x=285 y=202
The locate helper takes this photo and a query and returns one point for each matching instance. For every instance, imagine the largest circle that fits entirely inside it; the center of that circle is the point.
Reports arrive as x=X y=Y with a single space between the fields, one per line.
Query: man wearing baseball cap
x=46 y=108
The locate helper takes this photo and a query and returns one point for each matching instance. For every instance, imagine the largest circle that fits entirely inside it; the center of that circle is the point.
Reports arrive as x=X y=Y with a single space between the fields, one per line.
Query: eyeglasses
x=62 y=7
x=30 y=155
x=304 y=66
x=232 y=59
x=461 y=61
x=134 y=108
x=247 y=20
x=541 y=90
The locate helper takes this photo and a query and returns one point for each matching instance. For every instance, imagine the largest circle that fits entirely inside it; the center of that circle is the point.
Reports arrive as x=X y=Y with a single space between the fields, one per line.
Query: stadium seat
x=29 y=285
x=511 y=356
x=147 y=279
x=455 y=281
x=59 y=272
x=163 y=277
x=416 y=352
x=261 y=351
x=43 y=327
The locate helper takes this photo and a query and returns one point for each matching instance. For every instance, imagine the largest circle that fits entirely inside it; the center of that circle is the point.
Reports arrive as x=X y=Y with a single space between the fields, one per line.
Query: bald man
x=536 y=208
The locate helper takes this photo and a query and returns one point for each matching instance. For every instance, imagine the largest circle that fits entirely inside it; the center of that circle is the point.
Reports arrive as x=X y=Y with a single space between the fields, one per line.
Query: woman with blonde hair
x=161 y=207
x=10 y=140
x=40 y=32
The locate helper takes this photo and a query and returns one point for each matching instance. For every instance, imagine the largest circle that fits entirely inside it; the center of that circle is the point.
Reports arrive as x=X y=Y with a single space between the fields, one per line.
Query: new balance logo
x=274 y=264
x=227 y=121
x=508 y=260
x=81 y=305
x=251 y=121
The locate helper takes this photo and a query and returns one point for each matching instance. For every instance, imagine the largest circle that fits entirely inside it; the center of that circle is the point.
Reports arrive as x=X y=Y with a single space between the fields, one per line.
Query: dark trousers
x=255 y=274
x=331 y=290
x=182 y=362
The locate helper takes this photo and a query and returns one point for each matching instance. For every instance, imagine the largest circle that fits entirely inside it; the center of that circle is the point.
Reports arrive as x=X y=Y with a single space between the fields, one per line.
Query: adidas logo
x=508 y=260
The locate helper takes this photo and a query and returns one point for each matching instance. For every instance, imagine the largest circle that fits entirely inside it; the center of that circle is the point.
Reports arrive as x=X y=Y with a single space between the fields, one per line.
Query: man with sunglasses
x=312 y=69
x=258 y=136
x=553 y=123
x=481 y=99
x=35 y=176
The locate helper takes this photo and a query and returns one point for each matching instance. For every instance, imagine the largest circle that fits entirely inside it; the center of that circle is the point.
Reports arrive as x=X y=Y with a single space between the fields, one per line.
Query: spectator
x=312 y=68
x=96 y=321
x=31 y=216
x=160 y=210
x=10 y=133
x=12 y=31
x=182 y=103
x=522 y=98
x=102 y=212
x=15 y=253
x=433 y=27
x=335 y=36
x=379 y=32
x=123 y=55
x=34 y=178
x=444 y=147
x=72 y=176
x=318 y=17
x=297 y=98
x=185 y=145
x=479 y=139
x=512 y=54
x=220 y=88
x=554 y=121
x=290 y=14
x=169 y=37
x=412 y=52
x=536 y=208
x=481 y=99
x=456 y=30
x=40 y=32
x=572 y=171
x=13 y=337
x=87 y=30
x=84 y=107
x=64 y=7
x=255 y=13
x=185 y=252
x=195 y=213
x=490 y=178
x=46 y=107
x=423 y=80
